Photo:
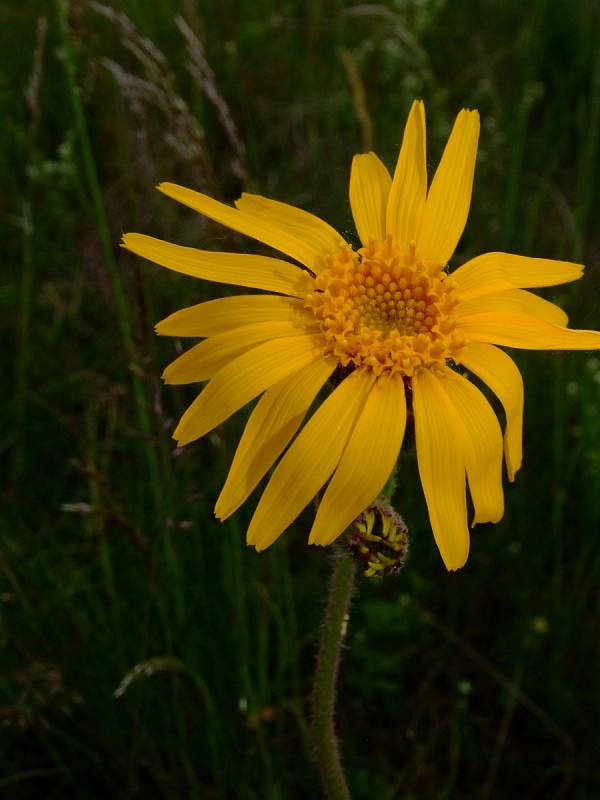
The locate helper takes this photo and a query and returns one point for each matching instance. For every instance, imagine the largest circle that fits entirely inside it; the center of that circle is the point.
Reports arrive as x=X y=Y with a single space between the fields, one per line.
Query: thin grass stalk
x=26 y=295
x=23 y=358
x=103 y=232
x=587 y=180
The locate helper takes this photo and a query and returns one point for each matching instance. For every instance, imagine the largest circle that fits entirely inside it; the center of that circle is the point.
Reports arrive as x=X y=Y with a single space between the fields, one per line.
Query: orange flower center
x=385 y=309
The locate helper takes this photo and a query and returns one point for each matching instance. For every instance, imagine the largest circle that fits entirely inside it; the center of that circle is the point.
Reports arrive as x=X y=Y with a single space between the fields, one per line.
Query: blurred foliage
x=145 y=650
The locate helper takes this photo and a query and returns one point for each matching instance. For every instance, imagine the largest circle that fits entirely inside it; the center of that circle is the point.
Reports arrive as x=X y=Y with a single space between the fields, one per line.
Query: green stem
x=328 y=661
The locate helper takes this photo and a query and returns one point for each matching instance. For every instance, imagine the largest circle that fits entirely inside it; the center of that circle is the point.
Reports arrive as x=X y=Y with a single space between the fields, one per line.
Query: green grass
x=478 y=684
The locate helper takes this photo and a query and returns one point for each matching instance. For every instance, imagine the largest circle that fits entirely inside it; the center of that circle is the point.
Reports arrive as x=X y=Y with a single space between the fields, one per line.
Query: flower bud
x=378 y=538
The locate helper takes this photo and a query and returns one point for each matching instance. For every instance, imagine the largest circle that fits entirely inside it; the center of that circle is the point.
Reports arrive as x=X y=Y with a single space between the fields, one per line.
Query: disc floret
x=384 y=308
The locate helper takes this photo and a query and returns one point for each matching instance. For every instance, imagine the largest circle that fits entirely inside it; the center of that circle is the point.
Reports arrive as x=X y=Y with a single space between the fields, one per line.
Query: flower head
x=394 y=324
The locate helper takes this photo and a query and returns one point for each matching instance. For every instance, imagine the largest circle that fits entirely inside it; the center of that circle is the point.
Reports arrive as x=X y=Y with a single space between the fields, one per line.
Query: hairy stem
x=324 y=690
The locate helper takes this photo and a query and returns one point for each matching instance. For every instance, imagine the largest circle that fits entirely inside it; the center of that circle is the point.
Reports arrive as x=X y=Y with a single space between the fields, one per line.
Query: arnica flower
x=389 y=321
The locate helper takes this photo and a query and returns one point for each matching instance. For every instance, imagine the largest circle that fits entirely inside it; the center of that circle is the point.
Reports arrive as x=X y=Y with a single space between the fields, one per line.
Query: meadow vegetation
x=146 y=652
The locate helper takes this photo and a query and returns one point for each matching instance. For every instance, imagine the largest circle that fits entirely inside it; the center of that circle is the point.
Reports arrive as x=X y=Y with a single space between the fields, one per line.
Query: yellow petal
x=494 y=272
x=260 y=272
x=366 y=463
x=501 y=374
x=317 y=237
x=224 y=313
x=481 y=439
x=449 y=198
x=409 y=187
x=442 y=469
x=513 y=301
x=310 y=460
x=204 y=360
x=243 y=379
x=264 y=229
x=272 y=424
x=524 y=332
x=369 y=189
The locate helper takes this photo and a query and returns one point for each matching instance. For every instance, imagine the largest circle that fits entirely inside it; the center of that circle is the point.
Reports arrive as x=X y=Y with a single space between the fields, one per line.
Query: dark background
x=146 y=652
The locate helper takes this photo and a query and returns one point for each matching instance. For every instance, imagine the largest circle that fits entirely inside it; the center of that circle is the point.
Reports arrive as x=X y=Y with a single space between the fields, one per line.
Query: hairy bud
x=378 y=538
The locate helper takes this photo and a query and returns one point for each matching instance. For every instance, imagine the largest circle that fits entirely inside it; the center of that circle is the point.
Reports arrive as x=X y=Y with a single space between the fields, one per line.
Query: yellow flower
x=387 y=322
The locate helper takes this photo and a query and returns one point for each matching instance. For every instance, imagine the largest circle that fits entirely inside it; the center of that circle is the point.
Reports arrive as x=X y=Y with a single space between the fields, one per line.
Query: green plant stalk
x=104 y=237
x=333 y=632
x=23 y=358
